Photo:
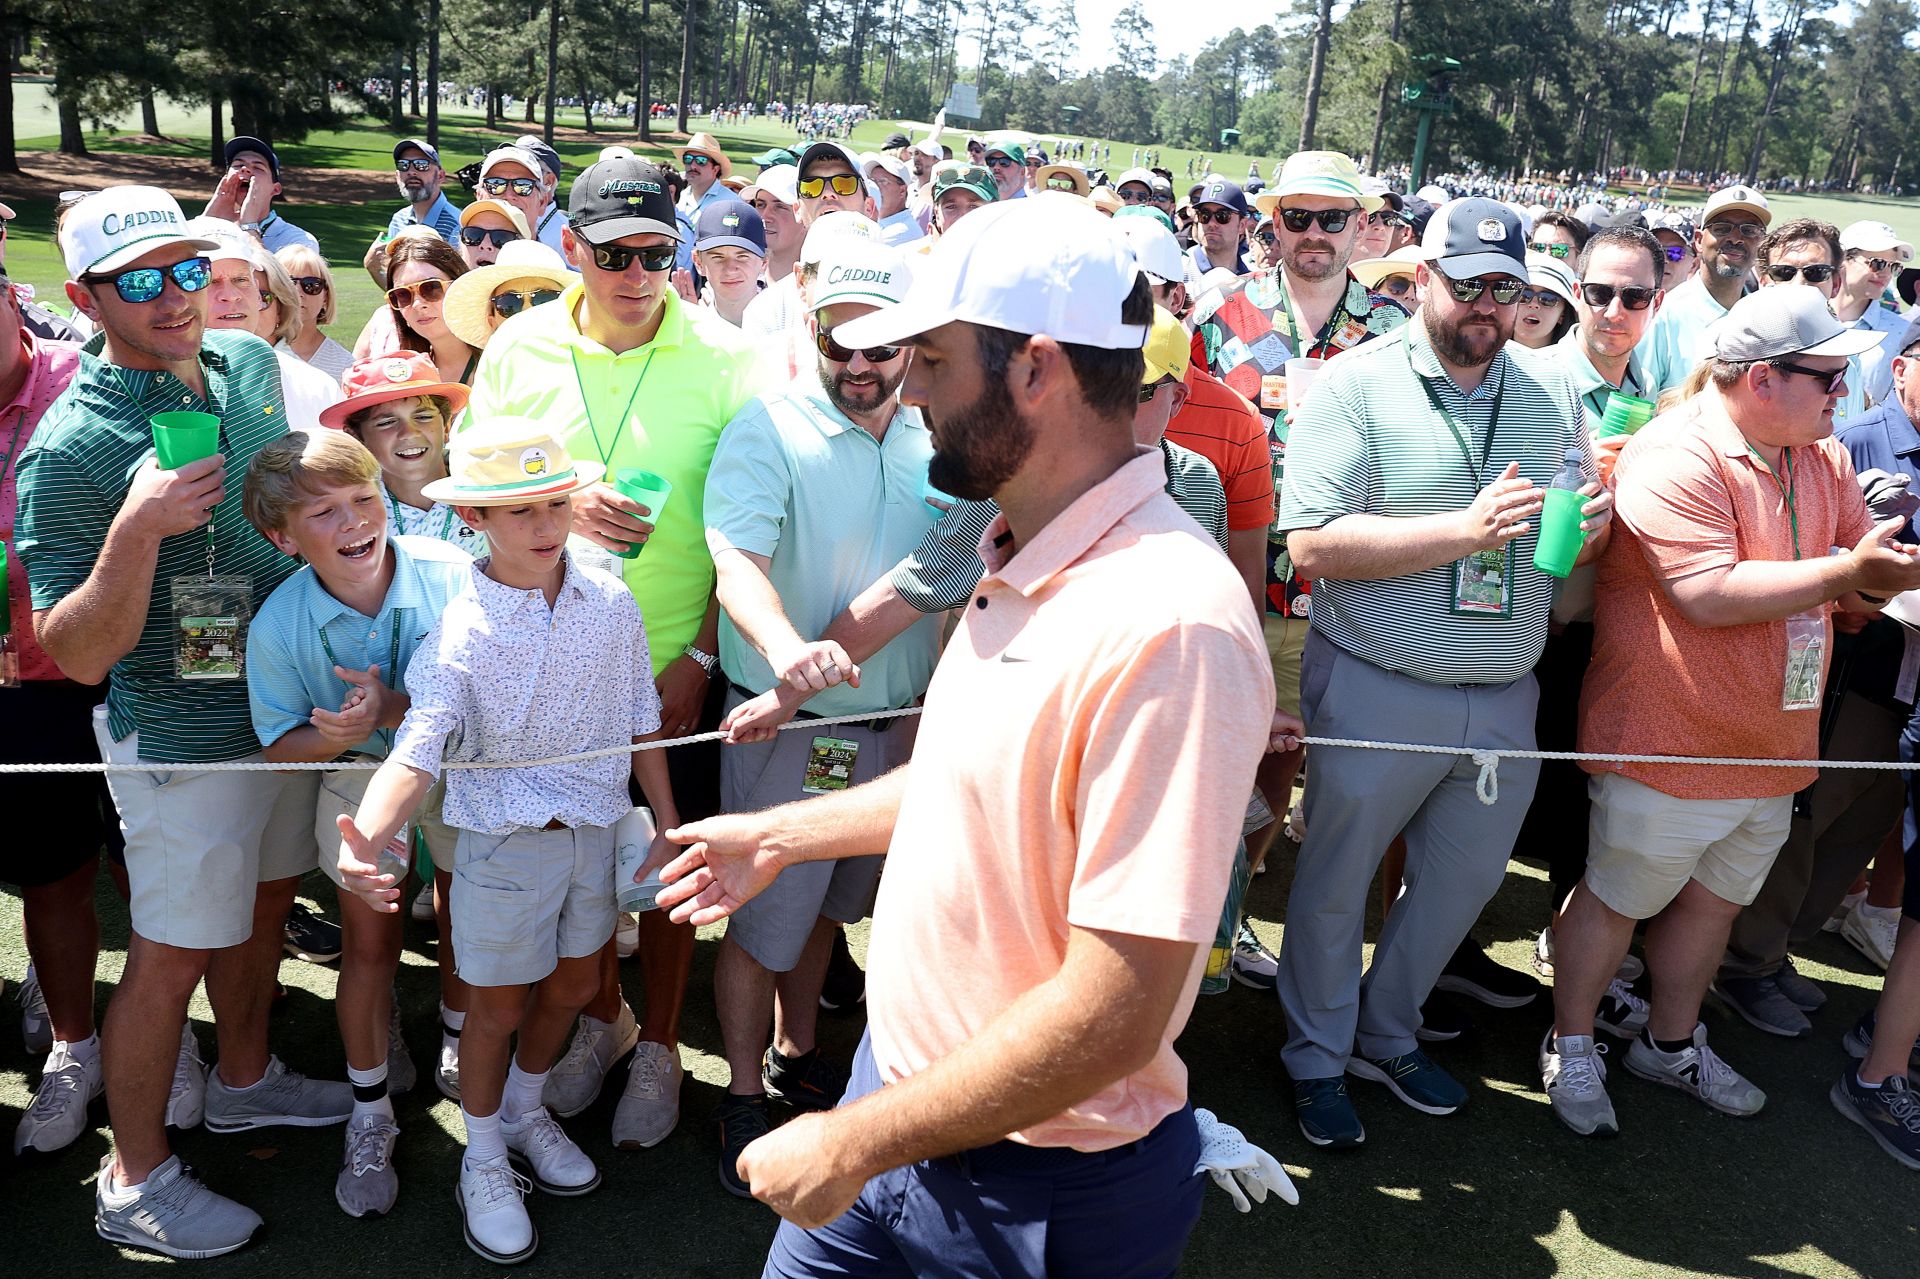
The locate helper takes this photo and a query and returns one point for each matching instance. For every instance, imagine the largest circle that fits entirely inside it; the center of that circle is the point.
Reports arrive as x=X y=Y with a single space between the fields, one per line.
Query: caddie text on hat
x=115 y=223
x=858 y=275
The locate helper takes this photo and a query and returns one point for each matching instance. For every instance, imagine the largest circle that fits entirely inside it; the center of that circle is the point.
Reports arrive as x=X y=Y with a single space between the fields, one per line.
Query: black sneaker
x=1858 y=1042
x=807 y=1082
x=310 y=937
x=1471 y=973
x=846 y=984
x=1889 y=1113
x=1442 y=1019
x=742 y=1120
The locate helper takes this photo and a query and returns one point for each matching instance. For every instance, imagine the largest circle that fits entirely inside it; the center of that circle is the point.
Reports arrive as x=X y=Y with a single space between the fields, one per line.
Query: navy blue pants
x=1007 y=1210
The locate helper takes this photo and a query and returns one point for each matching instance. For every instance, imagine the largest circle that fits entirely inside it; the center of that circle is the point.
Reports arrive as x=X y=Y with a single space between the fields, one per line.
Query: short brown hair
x=357 y=420
x=298 y=465
x=1798 y=230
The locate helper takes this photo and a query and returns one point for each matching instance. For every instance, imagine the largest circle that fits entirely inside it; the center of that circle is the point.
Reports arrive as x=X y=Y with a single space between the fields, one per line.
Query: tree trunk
x=9 y=161
x=553 y=66
x=149 y=113
x=1386 y=94
x=687 y=26
x=433 y=73
x=413 y=79
x=73 y=138
x=1784 y=38
x=1310 y=114
x=394 y=102
x=217 y=140
x=1686 y=115
x=493 y=106
x=643 y=104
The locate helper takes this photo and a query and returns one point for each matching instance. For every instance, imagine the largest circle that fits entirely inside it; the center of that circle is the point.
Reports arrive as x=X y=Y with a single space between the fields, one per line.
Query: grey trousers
x=1356 y=802
x=1852 y=811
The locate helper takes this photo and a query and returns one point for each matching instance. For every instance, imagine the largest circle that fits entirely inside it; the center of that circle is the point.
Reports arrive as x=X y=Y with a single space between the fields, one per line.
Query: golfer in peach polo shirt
x=1059 y=846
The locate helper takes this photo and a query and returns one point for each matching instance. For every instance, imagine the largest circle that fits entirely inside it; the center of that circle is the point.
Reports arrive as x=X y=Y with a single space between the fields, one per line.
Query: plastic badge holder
x=632 y=840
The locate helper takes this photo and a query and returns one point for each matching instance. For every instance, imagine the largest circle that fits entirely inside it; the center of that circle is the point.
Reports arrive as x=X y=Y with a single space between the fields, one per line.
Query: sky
x=1181 y=27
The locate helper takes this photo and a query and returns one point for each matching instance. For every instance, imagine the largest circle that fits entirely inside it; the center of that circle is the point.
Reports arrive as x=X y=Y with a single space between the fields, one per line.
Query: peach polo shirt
x=1089 y=742
x=1690 y=495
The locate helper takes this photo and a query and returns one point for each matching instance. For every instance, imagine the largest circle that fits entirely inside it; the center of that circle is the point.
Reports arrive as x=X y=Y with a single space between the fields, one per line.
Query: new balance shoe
x=36 y=1026
x=311 y=938
x=649 y=1108
x=1326 y=1113
x=1698 y=1071
x=283 y=1097
x=846 y=984
x=1621 y=1012
x=367 y=1185
x=422 y=908
x=174 y=1214
x=1858 y=1042
x=1889 y=1113
x=57 y=1115
x=557 y=1166
x=743 y=1121
x=810 y=1081
x=1762 y=1005
x=1840 y=913
x=575 y=1082
x=626 y=935
x=402 y=1074
x=1871 y=930
x=1800 y=991
x=187 y=1095
x=492 y=1212
x=1253 y=964
x=1415 y=1079
x=1471 y=972
x=1632 y=968
x=1442 y=1020
x=1576 y=1083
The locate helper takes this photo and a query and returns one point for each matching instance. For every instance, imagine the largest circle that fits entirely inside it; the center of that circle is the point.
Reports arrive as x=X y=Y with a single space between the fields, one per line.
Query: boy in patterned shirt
x=500 y=679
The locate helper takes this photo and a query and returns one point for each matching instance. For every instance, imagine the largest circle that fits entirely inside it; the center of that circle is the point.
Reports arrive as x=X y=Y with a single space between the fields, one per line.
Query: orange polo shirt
x=1690 y=495
x=1089 y=742
x=1220 y=425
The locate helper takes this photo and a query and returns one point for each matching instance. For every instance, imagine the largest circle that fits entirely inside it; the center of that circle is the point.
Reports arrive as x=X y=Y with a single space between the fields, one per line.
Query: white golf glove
x=1236 y=1163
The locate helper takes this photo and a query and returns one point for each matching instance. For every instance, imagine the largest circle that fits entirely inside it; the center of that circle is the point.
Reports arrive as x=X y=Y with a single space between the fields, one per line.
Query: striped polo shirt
x=73 y=479
x=1370 y=441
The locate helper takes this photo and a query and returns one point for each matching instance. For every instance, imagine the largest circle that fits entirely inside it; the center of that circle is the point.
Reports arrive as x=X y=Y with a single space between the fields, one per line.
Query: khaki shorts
x=342 y=792
x=198 y=844
x=1286 y=640
x=524 y=901
x=1643 y=845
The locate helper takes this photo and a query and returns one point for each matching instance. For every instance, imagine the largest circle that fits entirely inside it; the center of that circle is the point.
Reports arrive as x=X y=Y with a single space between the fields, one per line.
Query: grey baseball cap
x=1474 y=237
x=1786 y=319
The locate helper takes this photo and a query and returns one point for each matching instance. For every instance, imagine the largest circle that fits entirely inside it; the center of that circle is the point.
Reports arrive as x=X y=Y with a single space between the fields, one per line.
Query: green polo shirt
x=1595 y=390
x=74 y=478
x=1370 y=441
x=660 y=407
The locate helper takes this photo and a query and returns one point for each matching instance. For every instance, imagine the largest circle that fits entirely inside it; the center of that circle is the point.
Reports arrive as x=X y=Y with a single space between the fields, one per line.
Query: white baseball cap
x=229 y=241
x=1737 y=197
x=1154 y=248
x=1049 y=264
x=832 y=226
x=891 y=165
x=781 y=181
x=856 y=269
x=108 y=229
x=1874 y=237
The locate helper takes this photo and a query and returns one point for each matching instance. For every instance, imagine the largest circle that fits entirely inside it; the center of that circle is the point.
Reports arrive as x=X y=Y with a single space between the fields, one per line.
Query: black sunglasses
x=1818 y=273
x=519 y=186
x=824 y=343
x=654 y=257
x=1332 y=221
x=477 y=236
x=1834 y=378
x=412 y=166
x=1539 y=297
x=145 y=283
x=1633 y=297
x=311 y=285
x=1384 y=217
x=514 y=302
x=1135 y=196
x=1266 y=237
x=1152 y=389
x=1219 y=217
x=1505 y=291
x=1877 y=264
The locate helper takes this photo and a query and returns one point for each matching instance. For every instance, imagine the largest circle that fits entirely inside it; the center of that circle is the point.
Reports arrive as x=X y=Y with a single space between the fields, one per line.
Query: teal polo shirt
x=1594 y=389
x=834 y=509
x=74 y=477
x=302 y=632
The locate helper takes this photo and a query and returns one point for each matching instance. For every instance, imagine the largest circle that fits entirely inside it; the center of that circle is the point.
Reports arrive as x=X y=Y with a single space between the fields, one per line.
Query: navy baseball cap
x=1217 y=190
x=418 y=144
x=242 y=145
x=1469 y=238
x=733 y=224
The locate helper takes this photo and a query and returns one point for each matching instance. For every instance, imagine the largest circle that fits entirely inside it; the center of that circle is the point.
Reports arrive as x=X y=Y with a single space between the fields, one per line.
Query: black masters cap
x=621 y=197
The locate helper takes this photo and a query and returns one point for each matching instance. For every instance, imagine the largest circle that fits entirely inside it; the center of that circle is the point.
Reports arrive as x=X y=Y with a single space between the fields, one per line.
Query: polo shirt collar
x=499 y=600
x=38 y=363
x=405 y=590
x=93 y=360
x=672 y=331
x=1590 y=378
x=1069 y=535
x=1900 y=430
x=830 y=420
x=433 y=210
x=1427 y=364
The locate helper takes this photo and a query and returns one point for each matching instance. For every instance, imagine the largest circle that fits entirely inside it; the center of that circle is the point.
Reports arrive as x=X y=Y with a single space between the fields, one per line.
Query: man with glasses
x=1006 y=159
x=514 y=175
x=1379 y=229
x=1807 y=251
x=120 y=551
x=1558 y=235
x=1872 y=255
x=1413 y=490
x=829 y=181
x=705 y=164
x=1675 y=233
x=1711 y=636
x=246 y=193
x=1263 y=246
x=1618 y=298
x=624 y=372
x=1727 y=245
x=890 y=178
x=486 y=226
x=1136 y=186
x=959 y=189
x=1220 y=215
x=417 y=172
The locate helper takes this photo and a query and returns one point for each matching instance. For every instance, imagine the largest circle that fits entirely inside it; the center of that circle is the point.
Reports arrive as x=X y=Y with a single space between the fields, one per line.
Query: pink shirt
x=1088 y=746
x=51 y=366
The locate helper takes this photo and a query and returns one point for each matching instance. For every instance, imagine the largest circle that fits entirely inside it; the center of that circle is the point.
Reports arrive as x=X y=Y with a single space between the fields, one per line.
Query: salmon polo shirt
x=1089 y=742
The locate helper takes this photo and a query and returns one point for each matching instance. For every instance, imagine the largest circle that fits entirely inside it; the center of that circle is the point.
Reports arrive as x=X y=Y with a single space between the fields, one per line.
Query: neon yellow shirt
x=660 y=407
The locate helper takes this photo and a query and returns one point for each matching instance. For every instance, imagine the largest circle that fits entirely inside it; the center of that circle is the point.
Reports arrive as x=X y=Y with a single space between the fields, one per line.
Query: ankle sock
x=451 y=1022
x=1864 y=1084
x=1666 y=1045
x=85 y=1051
x=522 y=1094
x=484 y=1142
x=370 y=1092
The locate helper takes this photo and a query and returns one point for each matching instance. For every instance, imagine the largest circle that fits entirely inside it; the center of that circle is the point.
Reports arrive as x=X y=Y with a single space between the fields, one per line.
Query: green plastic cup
x=1560 y=536
x=646 y=488
x=1625 y=414
x=180 y=438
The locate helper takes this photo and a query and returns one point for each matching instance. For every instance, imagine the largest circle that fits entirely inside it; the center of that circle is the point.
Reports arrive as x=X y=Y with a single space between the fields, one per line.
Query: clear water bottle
x=1560 y=536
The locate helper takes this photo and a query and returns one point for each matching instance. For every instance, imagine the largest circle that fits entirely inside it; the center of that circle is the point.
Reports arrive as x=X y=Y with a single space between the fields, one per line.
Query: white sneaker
x=576 y=1080
x=557 y=1166
x=446 y=1073
x=626 y=935
x=187 y=1098
x=1841 y=911
x=422 y=908
x=1696 y=1069
x=650 y=1107
x=36 y=1026
x=1576 y=1082
x=58 y=1113
x=1296 y=824
x=1871 y=930
x=491 y=1212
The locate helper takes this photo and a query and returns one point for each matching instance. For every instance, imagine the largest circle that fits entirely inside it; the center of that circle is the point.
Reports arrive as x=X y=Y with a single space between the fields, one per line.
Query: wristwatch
x=708 y=662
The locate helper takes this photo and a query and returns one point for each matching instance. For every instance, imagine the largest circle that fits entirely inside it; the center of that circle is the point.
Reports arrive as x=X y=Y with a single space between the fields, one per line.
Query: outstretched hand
x=727 y=864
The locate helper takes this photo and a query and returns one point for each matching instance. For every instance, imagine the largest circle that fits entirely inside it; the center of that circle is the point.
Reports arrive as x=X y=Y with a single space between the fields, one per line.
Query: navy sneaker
x=1414 y=1079
x=743 y=1120
x=1326 y=1113
x=1473 y=973
x=807 y=1082
x=1889 y=1113
x=311 y=938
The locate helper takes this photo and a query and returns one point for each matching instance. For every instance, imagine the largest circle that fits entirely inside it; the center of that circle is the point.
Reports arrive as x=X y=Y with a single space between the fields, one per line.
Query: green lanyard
x=1460 y=436
x=393 y=649
x=586 y=405
x=1293 y=329
x=1786 y=491
x=446 y=520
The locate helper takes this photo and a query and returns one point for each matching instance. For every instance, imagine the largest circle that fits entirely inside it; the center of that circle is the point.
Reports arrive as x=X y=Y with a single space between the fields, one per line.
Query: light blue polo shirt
x=289 y=668
x=834 y=509
x=1677 y=339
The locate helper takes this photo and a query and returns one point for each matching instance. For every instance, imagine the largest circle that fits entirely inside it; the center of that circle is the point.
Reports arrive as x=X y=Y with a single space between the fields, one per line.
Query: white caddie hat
x=108 y=229
x=781 y=181
x=856 y=269
x=832 y=226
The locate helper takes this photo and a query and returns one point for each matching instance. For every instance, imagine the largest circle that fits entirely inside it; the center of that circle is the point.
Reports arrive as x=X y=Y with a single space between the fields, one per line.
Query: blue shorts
x=1008 y=1210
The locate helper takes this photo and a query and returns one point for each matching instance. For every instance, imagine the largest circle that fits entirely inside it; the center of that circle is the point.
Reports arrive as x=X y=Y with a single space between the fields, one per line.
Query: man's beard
x=981 y=445
x=1469 y=350
x=1336 y=261
x=861 y=399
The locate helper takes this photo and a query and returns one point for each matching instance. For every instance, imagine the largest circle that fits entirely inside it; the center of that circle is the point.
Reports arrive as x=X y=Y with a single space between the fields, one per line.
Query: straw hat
x=1043 y=175
x=1371 y=271
x=1326 y=173
x=708 y=145
x=399 y=376
x=470 y=297
x=508 y=460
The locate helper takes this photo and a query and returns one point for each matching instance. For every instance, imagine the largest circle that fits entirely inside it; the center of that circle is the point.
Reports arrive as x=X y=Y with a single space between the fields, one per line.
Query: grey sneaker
x=367 y=1185
x=575 y=1082
x=281 y=1097
x=1697 y=1070
x=421 y=910
x=1759 y=1002
x=1621 y=1012
x=187 y=1096
x=58 y=1113
x=402 y=1074
x=1576 y=1081
x=650 y=1107
x=36 y=1025
x=1801 y=992
x=174 y=1215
